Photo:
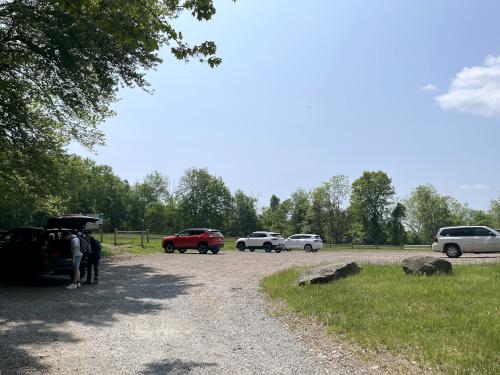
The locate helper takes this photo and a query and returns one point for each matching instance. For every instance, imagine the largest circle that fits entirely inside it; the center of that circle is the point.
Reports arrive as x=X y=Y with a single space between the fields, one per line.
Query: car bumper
x=437 y=247
x=216 y=245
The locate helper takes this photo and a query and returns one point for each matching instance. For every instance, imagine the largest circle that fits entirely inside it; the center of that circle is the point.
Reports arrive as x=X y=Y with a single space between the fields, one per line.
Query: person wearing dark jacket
x=93 y=260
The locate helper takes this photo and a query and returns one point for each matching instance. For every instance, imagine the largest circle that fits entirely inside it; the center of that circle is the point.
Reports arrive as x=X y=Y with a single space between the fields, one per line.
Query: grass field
x=131 y=243
x=450 y=323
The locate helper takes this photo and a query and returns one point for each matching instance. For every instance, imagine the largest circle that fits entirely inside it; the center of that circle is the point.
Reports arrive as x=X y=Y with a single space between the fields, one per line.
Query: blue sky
x=308 y=90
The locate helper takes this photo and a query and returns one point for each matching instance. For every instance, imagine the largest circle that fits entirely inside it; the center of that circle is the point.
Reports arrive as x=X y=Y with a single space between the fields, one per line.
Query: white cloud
x=429 y=87
x=475 y=90
x=474 y=187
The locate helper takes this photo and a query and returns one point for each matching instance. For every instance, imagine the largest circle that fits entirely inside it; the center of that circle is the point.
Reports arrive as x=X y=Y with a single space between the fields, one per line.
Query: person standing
x=76 y=258
x=93 y=260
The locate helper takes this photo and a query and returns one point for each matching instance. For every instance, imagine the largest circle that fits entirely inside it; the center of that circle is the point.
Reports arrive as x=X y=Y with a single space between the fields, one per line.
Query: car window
x=446 y=232
x=184 y=233
x=482 y=232
x=317 y=237
x=464 y=232
x=196 y=232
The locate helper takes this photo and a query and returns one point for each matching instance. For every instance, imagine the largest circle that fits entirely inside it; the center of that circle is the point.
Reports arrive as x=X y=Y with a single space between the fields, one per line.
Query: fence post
x=115 y=236
x=147 y=235
x=100 y=232
x=142 y=238
x=352 y=245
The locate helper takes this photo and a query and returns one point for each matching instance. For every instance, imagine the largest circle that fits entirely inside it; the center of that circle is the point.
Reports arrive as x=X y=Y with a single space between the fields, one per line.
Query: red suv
x=202 y=239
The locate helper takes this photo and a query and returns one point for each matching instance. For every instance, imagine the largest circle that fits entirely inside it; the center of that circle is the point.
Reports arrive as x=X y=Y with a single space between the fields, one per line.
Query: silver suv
x=454 y=241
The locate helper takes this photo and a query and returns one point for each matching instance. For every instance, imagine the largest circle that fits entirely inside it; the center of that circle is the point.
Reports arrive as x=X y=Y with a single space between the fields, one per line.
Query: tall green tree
x=62 y=61
x=276 y=217
x=203 y=200
x=371 y=196
x=426 y=212
x=298 y=213
x=397 y=230
x=494 y=212
x=243 y=217
x=153 y=190
x=315 y=218
x=337 y=190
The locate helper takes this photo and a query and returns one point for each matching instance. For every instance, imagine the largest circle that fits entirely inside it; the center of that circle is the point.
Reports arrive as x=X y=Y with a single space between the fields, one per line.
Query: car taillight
x=318 y=241
x=435 y=239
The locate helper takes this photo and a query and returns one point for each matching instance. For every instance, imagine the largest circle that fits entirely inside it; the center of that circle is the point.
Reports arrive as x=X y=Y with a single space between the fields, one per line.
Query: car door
x=485 y=240
x=249 y=241
x=182 y=239
x=463 y=237
x=291 y=242
x=260 y=239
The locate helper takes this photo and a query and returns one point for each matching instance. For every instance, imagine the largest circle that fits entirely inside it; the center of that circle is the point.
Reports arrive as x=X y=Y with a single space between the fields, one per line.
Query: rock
x=426 y=265
x=328 y=273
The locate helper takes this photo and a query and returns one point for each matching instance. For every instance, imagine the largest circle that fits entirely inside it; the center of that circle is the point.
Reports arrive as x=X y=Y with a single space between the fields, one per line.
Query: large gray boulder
x=426 y=265
x=328 y=273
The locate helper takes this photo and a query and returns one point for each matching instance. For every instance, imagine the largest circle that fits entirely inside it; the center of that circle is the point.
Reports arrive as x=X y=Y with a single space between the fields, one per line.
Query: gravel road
x=169 y=314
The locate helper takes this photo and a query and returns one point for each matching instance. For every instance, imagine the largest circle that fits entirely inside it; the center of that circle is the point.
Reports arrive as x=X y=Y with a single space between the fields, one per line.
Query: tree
x=426 y=212
x=203 y=200
x=298 y=212
x=396 y=227
x=62 y=61
x=480 y=217
x=370 y=200
x=275 y=203
x=243 y=218
x=276 y=217
x=152 y=190
x=494 y=212
x=315 y=217
x=336 y=190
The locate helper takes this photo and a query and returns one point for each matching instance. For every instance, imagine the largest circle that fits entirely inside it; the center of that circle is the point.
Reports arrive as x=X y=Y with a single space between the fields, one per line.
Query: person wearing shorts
x=77 y=258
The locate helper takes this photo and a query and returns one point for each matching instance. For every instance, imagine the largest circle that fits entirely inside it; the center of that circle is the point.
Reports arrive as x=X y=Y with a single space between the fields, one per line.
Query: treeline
x=364 y=211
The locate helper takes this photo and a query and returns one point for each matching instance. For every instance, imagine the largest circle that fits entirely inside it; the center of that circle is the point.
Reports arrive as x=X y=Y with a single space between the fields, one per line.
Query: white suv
x=308 y=242
x=454 y=241
x=261 y=240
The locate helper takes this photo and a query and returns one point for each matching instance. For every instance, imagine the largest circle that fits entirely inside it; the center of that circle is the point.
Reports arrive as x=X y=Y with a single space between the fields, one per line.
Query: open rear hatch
x=69 y=222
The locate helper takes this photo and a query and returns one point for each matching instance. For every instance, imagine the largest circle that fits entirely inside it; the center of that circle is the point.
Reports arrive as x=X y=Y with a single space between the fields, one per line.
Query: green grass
x=450 y=323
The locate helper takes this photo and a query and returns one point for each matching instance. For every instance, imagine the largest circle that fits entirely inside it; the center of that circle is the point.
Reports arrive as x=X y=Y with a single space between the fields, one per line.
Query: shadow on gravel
x=34 y=315
x=174 y=367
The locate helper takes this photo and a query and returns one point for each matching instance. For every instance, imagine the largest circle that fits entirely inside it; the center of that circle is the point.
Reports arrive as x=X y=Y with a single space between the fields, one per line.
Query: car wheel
x=252 y=249
x=182 y=251
x=215 y=251
x=268 y=247
x=452 y=251
x=308 y=248
x=202 y=248
x=169 y=247
x=241 y=246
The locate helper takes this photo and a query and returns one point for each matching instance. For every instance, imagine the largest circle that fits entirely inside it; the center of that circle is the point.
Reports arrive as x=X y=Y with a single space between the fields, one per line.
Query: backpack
x=84 y=245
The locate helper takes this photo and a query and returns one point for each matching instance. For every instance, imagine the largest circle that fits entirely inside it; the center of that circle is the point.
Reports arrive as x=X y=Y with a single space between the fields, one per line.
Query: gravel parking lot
x=169 y=314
